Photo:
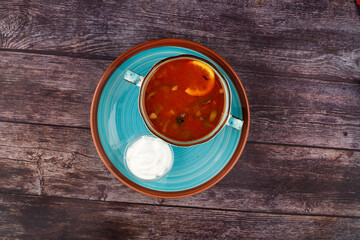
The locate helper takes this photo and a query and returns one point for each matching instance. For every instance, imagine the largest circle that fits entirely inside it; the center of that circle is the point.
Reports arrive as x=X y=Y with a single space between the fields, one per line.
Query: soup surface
x=184 y=99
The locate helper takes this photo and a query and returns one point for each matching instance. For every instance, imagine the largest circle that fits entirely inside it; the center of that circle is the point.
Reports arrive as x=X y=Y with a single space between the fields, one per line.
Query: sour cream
x=149 y=158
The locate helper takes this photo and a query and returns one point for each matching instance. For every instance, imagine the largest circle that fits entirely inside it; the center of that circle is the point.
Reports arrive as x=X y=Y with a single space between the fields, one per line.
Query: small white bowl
x=157 y=177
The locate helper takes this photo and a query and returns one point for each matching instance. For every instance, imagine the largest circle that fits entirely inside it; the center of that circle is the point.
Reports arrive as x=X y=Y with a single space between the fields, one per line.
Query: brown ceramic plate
x=177 y=184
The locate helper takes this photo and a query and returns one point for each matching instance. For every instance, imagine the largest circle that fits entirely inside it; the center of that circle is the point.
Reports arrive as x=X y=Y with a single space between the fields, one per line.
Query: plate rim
x=176 y=43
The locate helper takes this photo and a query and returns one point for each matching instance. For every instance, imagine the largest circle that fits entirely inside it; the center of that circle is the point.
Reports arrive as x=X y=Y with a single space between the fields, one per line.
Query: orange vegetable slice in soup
x=206 y=77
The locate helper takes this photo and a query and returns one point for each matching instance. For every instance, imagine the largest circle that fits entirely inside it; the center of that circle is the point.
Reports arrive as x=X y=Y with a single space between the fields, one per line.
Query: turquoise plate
x=119 y=121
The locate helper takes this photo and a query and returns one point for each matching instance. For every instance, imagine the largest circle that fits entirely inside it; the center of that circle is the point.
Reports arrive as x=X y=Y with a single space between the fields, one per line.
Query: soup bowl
x=226 y=118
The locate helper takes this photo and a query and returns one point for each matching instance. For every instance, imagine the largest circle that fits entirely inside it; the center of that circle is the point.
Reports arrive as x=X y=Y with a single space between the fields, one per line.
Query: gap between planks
x=111 y=58
x=183 y=207
x=255 y=142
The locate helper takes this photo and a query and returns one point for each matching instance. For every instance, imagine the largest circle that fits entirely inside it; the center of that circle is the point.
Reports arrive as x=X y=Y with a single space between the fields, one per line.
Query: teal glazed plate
x=115 y=121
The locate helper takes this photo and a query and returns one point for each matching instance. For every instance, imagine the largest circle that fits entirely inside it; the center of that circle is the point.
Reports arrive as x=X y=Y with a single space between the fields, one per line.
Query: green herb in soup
x=184 y=99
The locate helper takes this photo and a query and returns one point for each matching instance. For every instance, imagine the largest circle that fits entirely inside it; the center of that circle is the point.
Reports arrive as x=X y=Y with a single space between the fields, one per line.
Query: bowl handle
x=235 y=122
x=133 y=77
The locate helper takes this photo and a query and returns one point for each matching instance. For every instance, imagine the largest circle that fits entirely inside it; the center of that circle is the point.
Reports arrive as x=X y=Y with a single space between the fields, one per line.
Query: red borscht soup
x=184 y=99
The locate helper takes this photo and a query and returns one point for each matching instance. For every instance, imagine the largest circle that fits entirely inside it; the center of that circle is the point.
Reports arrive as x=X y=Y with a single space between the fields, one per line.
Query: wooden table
x=299 y=175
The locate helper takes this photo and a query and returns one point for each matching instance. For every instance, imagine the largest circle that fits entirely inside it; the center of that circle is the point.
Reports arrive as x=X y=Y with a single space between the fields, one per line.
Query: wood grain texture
x=288 y=110
x=48 y=89
x=299 y=62
x=42 y=217
x=62 y=162
x=310 y=38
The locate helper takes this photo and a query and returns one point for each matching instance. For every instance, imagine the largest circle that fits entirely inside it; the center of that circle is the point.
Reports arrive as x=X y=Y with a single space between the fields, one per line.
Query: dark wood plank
x=42 y=217
x=62 y=162
x=57 y=161
x=288 y=110
x=58 y=91
x=306 y=112
x=311 y=38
